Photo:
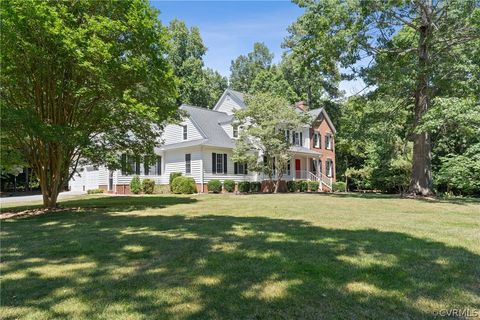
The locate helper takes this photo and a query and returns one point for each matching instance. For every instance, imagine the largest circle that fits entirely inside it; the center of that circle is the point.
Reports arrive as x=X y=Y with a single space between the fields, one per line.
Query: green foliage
x=255 y=186
x=298 y=185
x=339 y=186
x=291 y=186
x=172 y=176
x=100 y=68
x=244 y=69
x=148 y=186
x=197 y=85
x=135 y=185
x=229 y=185
x=244 y=186
x=303 y=185
x=214 y=186
x=94 y=191
x=313 y=186
x=183 y=185
x=263 y=122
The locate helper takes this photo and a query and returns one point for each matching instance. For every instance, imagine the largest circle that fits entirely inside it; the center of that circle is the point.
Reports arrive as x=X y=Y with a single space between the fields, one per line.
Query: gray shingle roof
x=208 y=122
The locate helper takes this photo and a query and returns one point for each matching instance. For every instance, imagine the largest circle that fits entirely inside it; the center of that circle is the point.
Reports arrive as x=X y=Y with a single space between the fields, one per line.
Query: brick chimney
x=301 y=105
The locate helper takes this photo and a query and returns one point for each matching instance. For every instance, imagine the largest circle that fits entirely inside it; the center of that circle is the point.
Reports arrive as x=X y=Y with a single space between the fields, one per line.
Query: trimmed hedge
x=214 y=186
x=94 y=191
x=255 y=186
x=291 y=186
x=229 y=185
x=313 y=186
x=173 y=175
x=339 y=186
x=148 y=186
x=183 y=185
x=244 y=186
x=136 y=185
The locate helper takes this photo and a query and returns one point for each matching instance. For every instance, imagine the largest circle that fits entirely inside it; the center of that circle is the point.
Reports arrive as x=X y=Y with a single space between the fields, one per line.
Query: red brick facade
x=323 y=128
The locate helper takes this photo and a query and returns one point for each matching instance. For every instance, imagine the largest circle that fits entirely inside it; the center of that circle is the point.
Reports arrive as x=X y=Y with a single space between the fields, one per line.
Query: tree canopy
x=82 y=80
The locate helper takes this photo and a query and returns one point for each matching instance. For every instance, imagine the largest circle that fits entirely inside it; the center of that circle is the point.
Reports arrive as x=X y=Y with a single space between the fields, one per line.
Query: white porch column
x=308 y=166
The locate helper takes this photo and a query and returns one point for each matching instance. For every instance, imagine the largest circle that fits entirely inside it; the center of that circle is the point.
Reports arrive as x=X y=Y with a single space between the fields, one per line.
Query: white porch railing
x=324 y=181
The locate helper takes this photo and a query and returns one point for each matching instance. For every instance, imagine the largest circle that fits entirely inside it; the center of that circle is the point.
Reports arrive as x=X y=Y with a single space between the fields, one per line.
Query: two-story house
x=201 y=146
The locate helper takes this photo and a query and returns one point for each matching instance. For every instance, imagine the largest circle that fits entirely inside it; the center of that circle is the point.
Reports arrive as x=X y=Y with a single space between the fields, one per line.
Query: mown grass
x=286 y=256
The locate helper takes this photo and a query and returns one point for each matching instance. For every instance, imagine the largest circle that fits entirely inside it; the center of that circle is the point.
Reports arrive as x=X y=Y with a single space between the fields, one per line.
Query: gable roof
x=237 y=96
x=208 y=122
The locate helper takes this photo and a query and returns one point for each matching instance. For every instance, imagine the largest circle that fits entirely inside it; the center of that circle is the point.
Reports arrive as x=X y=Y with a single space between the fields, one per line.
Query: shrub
x=136 y=185
x=303 y=186
x=313 y=186
x=255 y=186
x=244 y=186
x=229 y=185
x=291 y=186
x=298 y=185
x=173 y=175
x=94 y=191
x=184 y=185
x=214 y=186
x=339 y=186
x=148 y=186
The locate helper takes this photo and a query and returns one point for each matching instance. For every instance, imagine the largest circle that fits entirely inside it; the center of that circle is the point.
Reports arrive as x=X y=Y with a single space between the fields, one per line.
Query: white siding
x=207 y=164
x=175 y=162
x=174 y=133
x=228 y=105
x=103 y=175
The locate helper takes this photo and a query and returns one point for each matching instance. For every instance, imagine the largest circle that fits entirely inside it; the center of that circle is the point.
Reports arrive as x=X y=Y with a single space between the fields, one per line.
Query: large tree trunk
x=421 y=180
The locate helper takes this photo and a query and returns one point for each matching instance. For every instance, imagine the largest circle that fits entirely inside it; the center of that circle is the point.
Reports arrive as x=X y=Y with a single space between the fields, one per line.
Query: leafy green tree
x=197 y=85
x=263 y=123
x=244 y=69
x=271 y=80
x=82 y=80
x=333 y=33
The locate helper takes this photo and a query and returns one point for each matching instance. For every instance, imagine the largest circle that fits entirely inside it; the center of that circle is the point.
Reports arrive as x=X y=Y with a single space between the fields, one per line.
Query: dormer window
x=235 y=130
x=185 y=132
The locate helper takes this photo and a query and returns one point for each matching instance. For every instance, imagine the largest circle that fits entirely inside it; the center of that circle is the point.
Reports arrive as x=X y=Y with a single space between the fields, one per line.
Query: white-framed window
x=316 y=140
x=185 y=132
x=329 y=141
x=188 y=163
x=219 y=163
x=235 y=130
x=297 y=138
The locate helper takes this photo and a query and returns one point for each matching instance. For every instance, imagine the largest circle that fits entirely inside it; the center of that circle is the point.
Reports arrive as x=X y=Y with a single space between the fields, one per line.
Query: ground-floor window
x=329 y=168
x=239 y=168
x=188 y=163
x=219 y=162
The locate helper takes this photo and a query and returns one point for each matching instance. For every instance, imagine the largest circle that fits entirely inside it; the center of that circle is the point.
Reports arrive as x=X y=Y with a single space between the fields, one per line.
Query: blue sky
x=229 y=28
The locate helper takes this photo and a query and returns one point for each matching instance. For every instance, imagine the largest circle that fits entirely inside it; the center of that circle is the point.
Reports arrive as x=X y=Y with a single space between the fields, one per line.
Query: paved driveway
x=38 y=197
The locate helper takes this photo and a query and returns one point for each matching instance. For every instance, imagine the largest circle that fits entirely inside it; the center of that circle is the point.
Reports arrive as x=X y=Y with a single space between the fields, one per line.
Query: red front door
x=297 y=169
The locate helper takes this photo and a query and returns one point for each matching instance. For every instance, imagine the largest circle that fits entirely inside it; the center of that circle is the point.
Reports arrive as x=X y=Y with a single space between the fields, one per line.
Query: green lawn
x=288 y=256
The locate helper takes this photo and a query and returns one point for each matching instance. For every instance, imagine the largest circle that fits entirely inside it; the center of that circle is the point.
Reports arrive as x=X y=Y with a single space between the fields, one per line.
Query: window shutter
x=301 y=139
x=225 y=163
x=214 y=162
x=124 y=164
x=235 y=167
x=246 y=169
x=137 y=165
x=159 y=165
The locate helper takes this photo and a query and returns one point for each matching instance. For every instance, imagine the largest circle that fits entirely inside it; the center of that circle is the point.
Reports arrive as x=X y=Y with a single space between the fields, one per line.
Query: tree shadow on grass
x=221 y=267
x=115 y=203
x=360 y=195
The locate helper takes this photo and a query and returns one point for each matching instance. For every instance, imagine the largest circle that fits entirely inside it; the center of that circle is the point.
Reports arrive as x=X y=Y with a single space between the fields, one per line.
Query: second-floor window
x=185 y=132
x=316 y=140
x=297 y=138
x=287 y=135
x=188 y=163
x=328 y=142
x=235 y=130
